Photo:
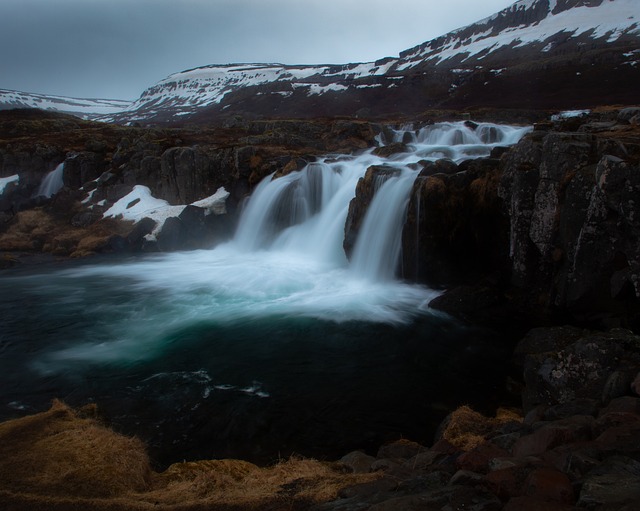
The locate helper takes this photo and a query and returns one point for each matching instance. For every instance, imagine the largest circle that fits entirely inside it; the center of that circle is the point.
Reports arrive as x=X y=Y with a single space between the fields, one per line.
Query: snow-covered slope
x=87 y=108
x=535 y=53
x=544 y=23
x=190 y=90
x=448 y=70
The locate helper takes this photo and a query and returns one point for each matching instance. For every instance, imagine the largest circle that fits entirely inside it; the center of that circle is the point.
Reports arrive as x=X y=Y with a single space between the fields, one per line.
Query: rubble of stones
x=575 y=444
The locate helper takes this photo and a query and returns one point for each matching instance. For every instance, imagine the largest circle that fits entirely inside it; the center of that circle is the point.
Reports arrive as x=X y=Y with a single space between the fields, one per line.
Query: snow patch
x=611 y=19
x=4 y=181
x=568 y=114
x=139 y=204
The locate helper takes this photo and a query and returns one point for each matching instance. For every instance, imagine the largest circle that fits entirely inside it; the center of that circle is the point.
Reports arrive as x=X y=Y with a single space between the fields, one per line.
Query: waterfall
x=305 y=211
x=52 y=183
x=377 y=249
x=286 y=260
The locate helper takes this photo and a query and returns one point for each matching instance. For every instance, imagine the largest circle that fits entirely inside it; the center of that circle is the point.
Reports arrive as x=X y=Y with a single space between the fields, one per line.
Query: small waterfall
x=305 y=211
x=377 y=249
x=52 y=183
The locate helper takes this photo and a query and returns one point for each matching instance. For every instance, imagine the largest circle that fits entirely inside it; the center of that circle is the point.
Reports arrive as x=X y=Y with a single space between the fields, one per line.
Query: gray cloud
x=117 y=48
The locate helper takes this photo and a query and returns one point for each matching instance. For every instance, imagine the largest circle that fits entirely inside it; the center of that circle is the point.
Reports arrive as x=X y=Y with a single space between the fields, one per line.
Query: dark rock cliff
x=568 y=195
x=103 y=163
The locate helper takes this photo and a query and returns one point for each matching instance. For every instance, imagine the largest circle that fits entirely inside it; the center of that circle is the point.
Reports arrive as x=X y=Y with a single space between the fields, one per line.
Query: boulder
x=578 y=368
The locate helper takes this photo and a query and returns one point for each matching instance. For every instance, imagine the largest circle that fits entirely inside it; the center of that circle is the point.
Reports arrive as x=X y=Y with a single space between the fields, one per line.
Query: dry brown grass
x=59 y=453
x=26 y=228
x=36 y=230
x=63 y=460
x=466 y=428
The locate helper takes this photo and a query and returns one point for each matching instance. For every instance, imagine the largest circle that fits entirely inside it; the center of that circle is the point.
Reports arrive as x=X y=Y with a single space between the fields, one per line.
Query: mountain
x=86 y=108
x=535 y=54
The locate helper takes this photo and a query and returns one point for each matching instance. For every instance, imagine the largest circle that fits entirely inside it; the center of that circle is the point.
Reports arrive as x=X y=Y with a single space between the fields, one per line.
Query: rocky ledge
x=541 y=233
x=182 y=166
x=573 y=445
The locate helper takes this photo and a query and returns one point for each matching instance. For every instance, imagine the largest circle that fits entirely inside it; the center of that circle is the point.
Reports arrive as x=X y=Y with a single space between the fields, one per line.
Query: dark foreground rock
x=575 y=447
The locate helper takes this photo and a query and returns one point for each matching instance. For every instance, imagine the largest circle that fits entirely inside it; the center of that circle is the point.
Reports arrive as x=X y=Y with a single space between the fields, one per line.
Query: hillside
x=534 y=54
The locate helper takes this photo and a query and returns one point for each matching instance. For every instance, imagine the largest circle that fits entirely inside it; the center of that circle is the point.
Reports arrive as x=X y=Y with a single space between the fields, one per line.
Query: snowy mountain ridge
x=87 y=108
x=532 y=21
x=527 y=31
x=542 y=52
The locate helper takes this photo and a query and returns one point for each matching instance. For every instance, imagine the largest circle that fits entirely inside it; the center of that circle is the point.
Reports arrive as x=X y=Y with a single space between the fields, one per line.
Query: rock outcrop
x=568 y=193
x=454 y=229
x=103 y=163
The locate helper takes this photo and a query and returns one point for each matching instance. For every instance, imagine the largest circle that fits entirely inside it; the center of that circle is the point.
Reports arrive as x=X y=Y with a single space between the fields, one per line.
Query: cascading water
x=52 y=183
x=274 y=339
x=377 y=249
x=305 y=211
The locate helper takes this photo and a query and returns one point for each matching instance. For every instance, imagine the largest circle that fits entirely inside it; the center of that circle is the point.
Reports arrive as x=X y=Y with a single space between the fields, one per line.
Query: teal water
x=210 y=383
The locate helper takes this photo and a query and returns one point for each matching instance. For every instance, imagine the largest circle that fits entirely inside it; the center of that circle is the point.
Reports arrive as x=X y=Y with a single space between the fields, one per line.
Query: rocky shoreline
x=573 y=445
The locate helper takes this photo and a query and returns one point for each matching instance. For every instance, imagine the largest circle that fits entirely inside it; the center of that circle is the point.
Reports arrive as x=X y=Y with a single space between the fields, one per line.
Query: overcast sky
x=117 y=48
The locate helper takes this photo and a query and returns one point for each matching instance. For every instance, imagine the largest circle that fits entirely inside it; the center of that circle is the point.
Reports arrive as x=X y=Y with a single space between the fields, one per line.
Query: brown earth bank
x=573 y=445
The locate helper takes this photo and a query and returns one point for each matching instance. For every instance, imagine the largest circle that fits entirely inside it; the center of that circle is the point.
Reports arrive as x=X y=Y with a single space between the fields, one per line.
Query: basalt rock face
x=570 y=198
x=103 y=163
x=552 y=225
x=454 y=229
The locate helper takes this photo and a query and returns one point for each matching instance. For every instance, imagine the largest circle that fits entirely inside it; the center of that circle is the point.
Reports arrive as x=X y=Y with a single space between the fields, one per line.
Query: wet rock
x=136 y=238
x=455 y=230
x=173 y=235
x=390 y=149
x=580 y=369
